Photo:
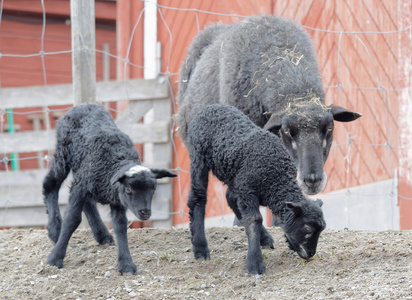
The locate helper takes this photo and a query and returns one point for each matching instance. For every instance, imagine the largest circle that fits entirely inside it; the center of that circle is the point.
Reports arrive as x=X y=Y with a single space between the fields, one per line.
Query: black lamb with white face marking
x=265 y=66
x=106 y=169
x=258 y=172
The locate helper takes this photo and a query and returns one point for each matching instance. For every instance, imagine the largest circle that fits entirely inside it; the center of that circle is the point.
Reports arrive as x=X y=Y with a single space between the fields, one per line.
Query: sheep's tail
x=58 y=172
x=205 y=38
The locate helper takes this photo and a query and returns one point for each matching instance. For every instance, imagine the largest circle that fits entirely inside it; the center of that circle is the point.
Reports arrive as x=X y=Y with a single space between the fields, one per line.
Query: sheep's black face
x=302 y=233
x=309 y=146
x=136 y=193
x=136 y=185
x=306 y=130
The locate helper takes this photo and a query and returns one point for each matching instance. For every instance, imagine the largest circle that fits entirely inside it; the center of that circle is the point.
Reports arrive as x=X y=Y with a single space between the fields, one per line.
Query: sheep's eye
x=330 y=128
x=308 y=229
x=128 y=190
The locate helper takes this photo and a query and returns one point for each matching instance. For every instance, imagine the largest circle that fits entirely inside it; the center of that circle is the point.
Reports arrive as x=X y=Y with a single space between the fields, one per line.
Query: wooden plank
x=62 y=94
x=30 y=141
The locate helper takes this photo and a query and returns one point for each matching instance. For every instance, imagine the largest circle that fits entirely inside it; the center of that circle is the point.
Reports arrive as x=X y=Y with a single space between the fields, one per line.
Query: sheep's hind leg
x=197 y=203
x=51 y=186
x=72 y=219
x=125 y=263
x=100 y=232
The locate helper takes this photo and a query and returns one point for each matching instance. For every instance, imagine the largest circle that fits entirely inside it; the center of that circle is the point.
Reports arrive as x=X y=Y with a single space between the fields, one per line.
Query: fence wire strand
x=349 y=145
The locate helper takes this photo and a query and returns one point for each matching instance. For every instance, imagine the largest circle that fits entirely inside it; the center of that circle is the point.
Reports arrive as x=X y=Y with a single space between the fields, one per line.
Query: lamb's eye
x=128 y=190
x=308 y=229
x=330 y=128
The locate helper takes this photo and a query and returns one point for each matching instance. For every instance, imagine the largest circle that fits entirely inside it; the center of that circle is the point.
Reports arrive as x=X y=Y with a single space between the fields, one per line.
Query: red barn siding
x=21 y=32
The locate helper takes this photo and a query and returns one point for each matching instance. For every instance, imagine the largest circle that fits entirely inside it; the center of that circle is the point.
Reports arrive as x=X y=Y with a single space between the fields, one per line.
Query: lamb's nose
x=145 y=212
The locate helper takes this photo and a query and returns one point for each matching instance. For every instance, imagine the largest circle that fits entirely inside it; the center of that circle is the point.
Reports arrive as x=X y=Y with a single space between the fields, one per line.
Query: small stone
x=132 y=294
x=107 y=274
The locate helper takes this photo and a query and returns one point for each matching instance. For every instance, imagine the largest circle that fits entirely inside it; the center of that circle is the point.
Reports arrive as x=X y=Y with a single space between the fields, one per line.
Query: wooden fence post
x=83 y=50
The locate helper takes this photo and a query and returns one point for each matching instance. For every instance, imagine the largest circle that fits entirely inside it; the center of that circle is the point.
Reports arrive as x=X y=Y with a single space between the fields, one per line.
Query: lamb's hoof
x=127 y=268
x=256 y=268
x=203 y=254
x=57 y=262
x=267 y=241
x=106 y=241
x=53 y=231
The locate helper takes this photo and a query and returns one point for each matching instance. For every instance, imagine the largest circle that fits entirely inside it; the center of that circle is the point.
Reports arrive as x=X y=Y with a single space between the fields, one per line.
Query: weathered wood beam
x=34 y=141
x=62 y=94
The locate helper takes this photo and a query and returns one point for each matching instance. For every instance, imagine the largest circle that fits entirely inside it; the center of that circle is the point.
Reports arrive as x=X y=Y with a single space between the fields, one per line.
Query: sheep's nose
x=312 y=181
x=145 y=212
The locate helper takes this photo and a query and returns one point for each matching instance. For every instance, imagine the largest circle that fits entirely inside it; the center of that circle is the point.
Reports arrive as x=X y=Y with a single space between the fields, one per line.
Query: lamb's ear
x=274 y=123
x=319 y=202
x=296 y=208
x=120 y=173
x=116 y=177
x=161 y=173
x=341 y=114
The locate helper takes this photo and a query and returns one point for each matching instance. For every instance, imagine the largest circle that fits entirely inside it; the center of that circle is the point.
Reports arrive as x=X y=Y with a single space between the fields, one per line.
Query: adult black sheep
x=106 y=169
x=257 y=171
x=265 y=66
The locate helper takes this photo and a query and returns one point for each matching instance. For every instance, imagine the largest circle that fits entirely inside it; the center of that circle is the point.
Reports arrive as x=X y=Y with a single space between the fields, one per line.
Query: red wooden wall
x=358 y=47
x=21 y=34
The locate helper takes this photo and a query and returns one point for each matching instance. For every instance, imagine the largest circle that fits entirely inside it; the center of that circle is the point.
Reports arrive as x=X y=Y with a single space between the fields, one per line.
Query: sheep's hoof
x=256 y=268
x=267 y=243
x=57 y=262
x=53 y=231
x=127 y=269
x=106 y=241
x=202 y=254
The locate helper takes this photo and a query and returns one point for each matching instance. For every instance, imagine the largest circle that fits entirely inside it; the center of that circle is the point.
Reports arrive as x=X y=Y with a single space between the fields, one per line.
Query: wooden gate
x=21 y=201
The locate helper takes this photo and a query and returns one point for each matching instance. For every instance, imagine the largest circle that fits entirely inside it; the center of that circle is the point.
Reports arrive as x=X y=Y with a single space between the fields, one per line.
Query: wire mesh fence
x=363 y=53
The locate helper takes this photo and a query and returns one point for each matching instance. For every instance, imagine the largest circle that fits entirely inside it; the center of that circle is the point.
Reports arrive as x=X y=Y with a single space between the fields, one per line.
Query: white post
x=83 y=47
x=150 y=61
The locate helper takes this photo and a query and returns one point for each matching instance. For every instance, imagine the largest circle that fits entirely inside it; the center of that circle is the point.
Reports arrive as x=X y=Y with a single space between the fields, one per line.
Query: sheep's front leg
x=100 y=232
x=71 y=221
x=266 y=240
x=253 y=227
x=124 y=259
x=197 y=204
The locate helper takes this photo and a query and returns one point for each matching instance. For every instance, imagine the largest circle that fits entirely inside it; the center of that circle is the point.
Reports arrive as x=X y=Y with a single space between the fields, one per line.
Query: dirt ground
x=348 y=265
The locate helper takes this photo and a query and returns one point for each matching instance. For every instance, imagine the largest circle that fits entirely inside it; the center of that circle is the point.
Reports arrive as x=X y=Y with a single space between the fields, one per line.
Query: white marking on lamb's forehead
x=294 y=145
x=136 y=169
x=324 y=143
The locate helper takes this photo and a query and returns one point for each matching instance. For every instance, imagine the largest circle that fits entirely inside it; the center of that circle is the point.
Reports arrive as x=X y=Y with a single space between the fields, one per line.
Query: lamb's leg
x=266 y=240
x=197 y=203
x=72 y=219
x=100 y=232
x=51 y=186
x=124 y=259
x=253 y=226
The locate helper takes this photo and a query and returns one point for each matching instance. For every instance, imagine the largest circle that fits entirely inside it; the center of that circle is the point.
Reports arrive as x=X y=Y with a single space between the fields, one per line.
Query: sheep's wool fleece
x=239 y=152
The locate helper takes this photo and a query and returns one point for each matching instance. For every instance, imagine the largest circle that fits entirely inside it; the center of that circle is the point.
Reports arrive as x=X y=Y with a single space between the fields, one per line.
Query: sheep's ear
x=120 y=173
x=341 y=114
x=296 y=208
x=319 y=202
x=161 y=173
x=274 y=123
x=116 y=177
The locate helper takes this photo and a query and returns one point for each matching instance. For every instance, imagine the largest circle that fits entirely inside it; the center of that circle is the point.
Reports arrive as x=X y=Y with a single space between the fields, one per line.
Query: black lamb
x=266 y=67
x=106 y=169
x=258 y=171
